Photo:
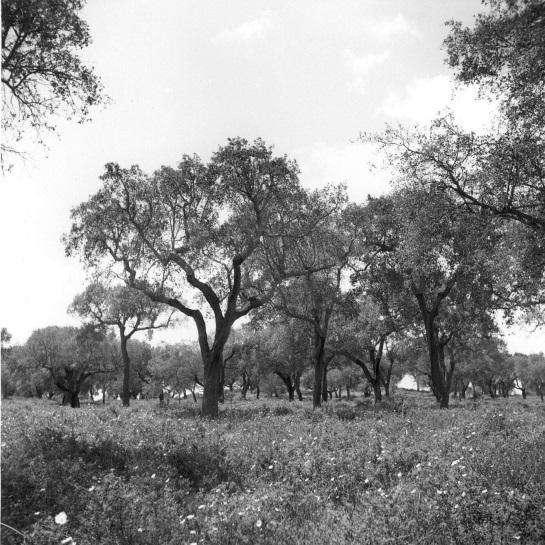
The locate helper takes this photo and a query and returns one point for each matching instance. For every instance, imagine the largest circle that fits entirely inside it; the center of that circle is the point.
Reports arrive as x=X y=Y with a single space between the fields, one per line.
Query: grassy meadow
x=273 y=472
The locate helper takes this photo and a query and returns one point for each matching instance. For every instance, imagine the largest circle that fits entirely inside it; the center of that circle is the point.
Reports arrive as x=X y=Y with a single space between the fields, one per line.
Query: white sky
x=307 y=76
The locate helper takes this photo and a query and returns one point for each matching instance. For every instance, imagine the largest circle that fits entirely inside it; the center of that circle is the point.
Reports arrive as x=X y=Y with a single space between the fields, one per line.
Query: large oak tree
x=211 y=240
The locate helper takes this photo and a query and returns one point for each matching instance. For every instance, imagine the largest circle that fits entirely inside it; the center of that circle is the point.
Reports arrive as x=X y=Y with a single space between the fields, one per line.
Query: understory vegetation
x=272 y=472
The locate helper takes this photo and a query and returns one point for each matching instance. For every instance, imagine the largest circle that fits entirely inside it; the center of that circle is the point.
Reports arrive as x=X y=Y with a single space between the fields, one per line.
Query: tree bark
x=286 y=379
x=319 y=369
x=325 y=391
x=212 y=375
x=125 y=394
x=221 y=384
x=441 y=378
x=297 y=385
x=245 y=385
x=74 y=399
x=377 y=390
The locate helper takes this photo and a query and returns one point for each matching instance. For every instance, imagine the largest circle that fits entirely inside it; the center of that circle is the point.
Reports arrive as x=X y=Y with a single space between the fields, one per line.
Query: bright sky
x=307 y=76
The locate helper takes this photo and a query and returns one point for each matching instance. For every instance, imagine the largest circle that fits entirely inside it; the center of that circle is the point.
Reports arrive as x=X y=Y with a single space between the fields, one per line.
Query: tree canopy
x=42 y=73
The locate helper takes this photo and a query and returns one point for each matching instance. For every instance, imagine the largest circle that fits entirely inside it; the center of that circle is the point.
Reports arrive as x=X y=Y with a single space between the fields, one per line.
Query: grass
x=270 y=472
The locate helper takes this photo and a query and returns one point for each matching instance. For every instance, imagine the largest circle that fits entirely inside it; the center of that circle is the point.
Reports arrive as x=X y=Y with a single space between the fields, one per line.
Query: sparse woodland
x=283 y=422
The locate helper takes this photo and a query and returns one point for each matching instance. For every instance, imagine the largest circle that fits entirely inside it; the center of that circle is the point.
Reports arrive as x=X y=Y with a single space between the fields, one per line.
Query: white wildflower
x=61 y=518
x=258 y=523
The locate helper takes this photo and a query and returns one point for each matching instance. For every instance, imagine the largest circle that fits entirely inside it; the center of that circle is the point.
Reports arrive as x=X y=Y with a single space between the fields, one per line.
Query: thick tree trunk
x=348 y=393
x=286 y=379
x=319 y=370
x=443 y=402
x=377 y=390
x=125 y=394
x=257 y=392
x=297 y=385
x=212 y=376
x=74 y=399
x=245 y=386
x=221 y=384
x=325 y=391
x=440 y=378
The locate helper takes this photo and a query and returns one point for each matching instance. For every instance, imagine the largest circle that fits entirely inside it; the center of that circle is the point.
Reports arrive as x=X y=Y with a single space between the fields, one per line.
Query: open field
x=273 y=472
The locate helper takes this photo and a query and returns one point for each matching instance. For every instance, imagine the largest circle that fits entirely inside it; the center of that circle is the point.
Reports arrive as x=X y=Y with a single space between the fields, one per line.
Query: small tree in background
x=72 y=357
x=127 y=309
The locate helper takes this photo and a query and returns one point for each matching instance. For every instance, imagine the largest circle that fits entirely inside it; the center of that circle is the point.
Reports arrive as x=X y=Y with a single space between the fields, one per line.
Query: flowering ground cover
x=270 y=472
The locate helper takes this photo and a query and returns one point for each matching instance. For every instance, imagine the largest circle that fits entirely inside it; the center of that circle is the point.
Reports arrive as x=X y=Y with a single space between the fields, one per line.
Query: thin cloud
x=398 y=26
x=358 y=165
x=249 y=31
x=424 y=99
x=361 y=66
